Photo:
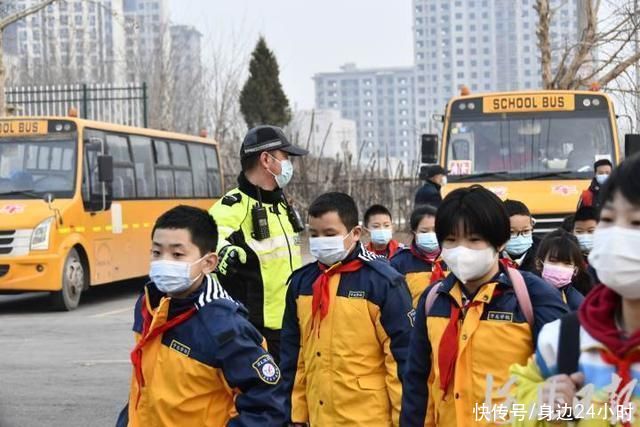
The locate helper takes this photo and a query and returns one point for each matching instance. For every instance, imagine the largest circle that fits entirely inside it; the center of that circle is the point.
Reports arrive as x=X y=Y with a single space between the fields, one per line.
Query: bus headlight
x=40 y=235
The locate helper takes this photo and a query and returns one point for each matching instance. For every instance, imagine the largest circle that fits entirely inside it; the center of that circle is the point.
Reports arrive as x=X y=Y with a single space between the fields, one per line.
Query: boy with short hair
x=379 y=224
x=346 y=326
x=521 y=248
x=197 y=359
x=584 y=224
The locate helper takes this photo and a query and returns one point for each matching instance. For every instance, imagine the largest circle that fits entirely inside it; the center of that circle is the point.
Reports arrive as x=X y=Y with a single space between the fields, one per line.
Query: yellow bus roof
x=473 y=95
x=119 y=128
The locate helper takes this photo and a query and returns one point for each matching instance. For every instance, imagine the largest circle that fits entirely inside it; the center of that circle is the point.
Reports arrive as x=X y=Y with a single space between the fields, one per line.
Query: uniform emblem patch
x=231 y=199
x=180 y=348
x=357 y=294
x=267 y=369
x=500 y=315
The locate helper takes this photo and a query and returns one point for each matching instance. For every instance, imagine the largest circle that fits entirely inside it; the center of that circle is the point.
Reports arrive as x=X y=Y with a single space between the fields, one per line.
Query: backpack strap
x=569 y=344
x=522 y=295
x=431 y=297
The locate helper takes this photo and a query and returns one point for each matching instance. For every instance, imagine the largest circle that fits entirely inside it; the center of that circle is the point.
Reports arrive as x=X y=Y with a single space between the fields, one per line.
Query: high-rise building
x=329 y=134
x=185 y=66
x=148 y=41
x=381 y=102
x=67 y=41
x=486 y=45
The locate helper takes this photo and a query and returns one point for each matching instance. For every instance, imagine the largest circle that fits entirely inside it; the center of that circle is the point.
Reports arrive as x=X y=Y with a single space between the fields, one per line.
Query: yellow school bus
x=537 y=147
x=78 y=200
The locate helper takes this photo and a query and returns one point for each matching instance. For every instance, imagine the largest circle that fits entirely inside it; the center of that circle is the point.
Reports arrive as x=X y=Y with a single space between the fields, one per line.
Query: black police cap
x=268 y=138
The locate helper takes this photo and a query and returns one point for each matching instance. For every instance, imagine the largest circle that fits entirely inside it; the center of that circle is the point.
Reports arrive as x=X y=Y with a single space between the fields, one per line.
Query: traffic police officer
x=259 y=244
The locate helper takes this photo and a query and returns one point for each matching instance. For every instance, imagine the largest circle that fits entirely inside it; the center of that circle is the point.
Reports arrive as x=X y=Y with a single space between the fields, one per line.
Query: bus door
x=101 y=219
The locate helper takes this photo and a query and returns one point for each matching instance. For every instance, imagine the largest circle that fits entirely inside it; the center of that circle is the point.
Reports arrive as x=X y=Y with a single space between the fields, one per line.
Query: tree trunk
x=544 y=43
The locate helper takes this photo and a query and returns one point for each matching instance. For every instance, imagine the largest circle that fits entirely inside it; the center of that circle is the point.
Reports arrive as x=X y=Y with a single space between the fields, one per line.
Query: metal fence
x=122 y=104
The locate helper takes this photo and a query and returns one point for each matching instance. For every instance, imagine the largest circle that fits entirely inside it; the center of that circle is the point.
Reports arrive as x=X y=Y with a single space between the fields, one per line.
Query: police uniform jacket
x=260 y=284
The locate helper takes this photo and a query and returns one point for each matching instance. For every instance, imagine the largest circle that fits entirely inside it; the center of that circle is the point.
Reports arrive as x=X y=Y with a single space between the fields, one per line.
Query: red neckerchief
x=437 y=272
x=321 y=297
x=428 y=257
x=448 y=348
x=392 y=247
x=146 y=336
x=509 y=263
x=597 y=317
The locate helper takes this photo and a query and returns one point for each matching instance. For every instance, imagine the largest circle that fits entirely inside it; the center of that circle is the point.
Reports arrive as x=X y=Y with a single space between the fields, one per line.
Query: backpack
x=519 y=287
x=569 y=344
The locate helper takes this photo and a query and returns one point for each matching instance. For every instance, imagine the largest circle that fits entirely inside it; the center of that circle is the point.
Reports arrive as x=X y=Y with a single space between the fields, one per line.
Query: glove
x=231 y=257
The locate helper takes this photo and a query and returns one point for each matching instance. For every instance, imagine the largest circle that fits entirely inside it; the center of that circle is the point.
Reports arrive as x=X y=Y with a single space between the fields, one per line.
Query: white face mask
x=469 y=264
x=444 y=181
x=171 y=277
x=328 y=250
x=602 y=178
x=286 y=172
x=616 y=259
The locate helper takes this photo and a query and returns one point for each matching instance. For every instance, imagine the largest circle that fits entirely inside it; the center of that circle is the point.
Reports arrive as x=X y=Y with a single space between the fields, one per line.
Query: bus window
x=182 y=171
x=143 y=161
x=213 y=172
x=164 y=175
x=123 y=175
x=196 y=152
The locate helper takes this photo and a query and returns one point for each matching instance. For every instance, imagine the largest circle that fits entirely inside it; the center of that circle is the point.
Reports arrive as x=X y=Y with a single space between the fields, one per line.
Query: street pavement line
x=109 y=313
x=101 y=362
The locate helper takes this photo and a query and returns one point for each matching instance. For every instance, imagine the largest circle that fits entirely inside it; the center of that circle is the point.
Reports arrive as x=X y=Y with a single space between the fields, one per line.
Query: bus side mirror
x=429 y=148
x=631 y=144
x=105 y=168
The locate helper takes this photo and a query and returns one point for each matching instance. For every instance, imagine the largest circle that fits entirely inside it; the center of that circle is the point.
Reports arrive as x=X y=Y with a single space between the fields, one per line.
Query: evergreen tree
x=262 y=100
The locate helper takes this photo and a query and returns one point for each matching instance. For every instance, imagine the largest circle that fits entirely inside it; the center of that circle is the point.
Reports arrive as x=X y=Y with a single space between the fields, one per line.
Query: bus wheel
x=73 y=282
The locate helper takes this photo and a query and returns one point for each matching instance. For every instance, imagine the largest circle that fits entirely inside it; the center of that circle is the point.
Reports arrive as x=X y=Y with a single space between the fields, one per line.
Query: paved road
x=65 y=368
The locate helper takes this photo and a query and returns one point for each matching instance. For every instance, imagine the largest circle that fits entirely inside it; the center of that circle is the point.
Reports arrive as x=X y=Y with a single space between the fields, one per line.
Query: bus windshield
x=528 y=146
x=32 y=167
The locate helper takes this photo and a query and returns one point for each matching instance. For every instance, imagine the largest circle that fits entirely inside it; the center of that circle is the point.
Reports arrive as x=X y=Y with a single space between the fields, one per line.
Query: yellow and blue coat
x=347 y=372
x=493 y=335
x=211 y=370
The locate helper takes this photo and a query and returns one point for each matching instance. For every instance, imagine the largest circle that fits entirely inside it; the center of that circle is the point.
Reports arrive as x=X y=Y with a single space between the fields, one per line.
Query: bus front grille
x=547 y=223
x=14 y=242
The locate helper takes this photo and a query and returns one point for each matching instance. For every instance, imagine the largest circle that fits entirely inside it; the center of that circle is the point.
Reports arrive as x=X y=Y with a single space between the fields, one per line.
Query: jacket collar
x=437 y=186
x=501 y=278
x=270 y=197
x=209 y=290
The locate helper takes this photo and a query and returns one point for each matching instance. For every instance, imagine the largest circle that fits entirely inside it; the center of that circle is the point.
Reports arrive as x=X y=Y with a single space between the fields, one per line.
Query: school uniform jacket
x=347 y=372
x=211 y=370
x=417 y=272
x=493 y=335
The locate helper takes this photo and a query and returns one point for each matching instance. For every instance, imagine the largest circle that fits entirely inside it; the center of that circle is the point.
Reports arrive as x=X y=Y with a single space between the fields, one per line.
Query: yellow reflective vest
x=260 y=284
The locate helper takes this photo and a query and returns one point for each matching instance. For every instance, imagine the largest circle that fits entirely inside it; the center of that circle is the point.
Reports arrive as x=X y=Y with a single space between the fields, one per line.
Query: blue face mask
x=381 y=236
x=428 y=242
x=516 y=246
x=286 y=172
x=602 y=178
x=585 y=241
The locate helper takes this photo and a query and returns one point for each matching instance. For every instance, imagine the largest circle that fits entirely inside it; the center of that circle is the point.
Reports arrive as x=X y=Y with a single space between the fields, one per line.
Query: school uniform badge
x=267 y=369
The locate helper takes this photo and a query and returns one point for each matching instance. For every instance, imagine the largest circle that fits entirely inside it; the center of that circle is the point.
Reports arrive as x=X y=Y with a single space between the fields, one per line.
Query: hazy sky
x=309 y=36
